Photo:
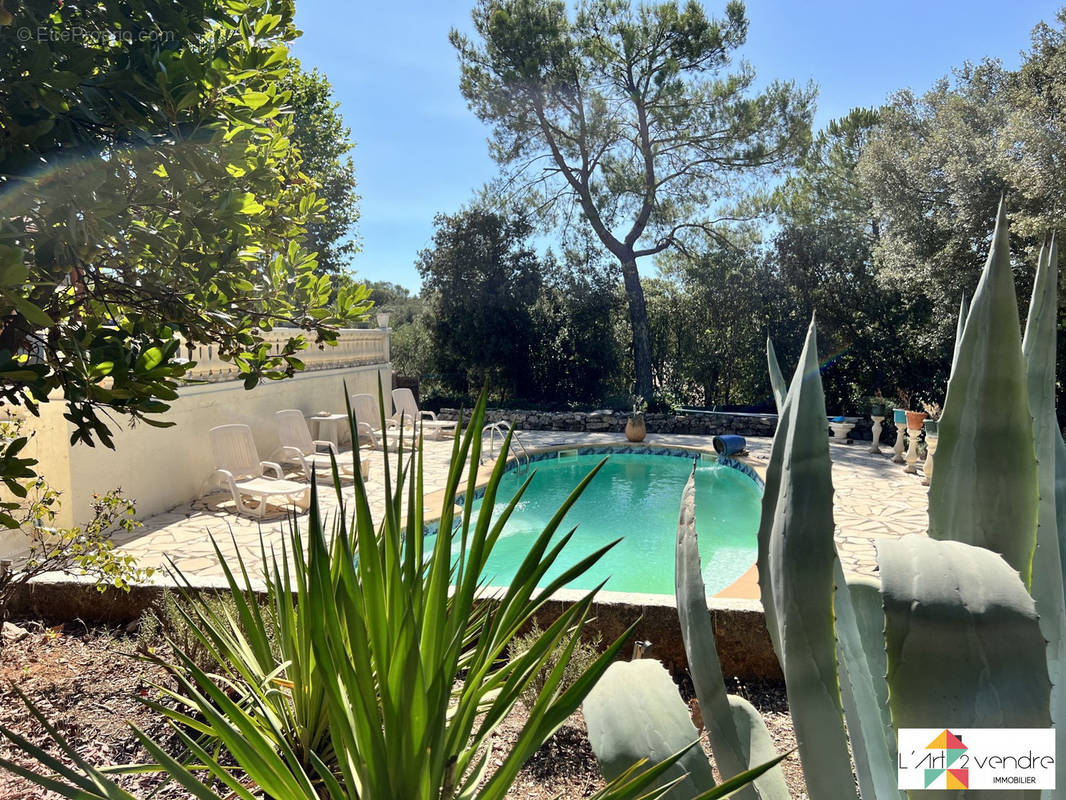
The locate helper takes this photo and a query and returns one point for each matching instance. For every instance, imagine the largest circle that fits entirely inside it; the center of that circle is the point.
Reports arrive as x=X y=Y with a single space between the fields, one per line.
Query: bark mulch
x=87 y=684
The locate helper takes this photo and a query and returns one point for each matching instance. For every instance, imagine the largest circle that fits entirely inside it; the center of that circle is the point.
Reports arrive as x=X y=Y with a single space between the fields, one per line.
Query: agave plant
x=390 y=667
x=965 y=627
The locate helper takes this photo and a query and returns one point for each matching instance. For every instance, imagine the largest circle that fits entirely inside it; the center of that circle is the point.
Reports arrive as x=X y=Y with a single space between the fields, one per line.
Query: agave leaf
x=988 y=501
x=1038 y=346
x=964 y=310
x=731 y=741
x=777 y=380
x=1060 y=497
x=962 y=638
x=797 y=562
x=756 y=743
x=728 y=787
x=861 y=653
x=634 y=712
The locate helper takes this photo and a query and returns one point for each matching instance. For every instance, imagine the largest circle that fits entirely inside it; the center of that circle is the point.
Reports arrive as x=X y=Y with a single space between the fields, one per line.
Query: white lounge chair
x=368 y=421
x=298 y=446
x=404 y=400
x=240 y=470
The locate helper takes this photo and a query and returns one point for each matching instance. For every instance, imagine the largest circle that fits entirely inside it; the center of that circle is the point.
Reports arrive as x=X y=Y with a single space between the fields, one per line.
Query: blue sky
x=419 y=151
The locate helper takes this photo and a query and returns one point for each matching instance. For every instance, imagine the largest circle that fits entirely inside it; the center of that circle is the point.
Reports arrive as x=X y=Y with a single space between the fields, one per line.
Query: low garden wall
x=744 y=645
x=666 y=423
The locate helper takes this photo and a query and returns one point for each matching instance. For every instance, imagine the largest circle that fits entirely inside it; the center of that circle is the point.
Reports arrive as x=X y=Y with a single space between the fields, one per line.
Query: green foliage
x=324 y=141
x=488 y=297
x=708 y=315
x=397 y=300
x=578 y=354
x=642 y=126
x=82 y=550
x=151 y=191
x=388 y=670
x=414 y=349
x=940 y=160
x=874 y=335
x=167 y=619
x=479 y=281
x=583 y=656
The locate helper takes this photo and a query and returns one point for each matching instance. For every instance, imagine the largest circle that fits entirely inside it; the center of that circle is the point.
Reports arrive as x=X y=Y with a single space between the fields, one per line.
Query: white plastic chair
x=404 y=400
x=368 y=421
x=298 y=446
x=239 y=469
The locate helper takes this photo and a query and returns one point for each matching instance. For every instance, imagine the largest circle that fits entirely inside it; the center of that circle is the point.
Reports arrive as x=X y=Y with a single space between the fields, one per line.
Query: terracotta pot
x=636 y=430
x=915 y=419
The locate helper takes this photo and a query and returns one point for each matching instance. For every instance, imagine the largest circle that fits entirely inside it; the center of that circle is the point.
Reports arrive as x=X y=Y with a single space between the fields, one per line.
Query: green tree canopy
x=397 y=300
x=633 y=116
x=874 y=335
x=479 y=280
x=324 y=141
x=150 y=190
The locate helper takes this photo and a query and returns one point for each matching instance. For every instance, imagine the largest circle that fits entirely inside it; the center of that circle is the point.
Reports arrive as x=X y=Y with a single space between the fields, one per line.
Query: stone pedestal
x=912 y=451
x=875 y=447
x=841 y=429
x=897 y=450
x=930 y=448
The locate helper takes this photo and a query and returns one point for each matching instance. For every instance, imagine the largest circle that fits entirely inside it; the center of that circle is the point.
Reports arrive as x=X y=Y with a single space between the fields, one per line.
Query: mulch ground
x=86 y=683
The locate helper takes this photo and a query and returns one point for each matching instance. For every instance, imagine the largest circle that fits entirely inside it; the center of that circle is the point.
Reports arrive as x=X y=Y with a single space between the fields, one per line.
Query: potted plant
x=933 y=412
x=878 y=405
x=636 y=430
x=915 y=419
x=931 y=432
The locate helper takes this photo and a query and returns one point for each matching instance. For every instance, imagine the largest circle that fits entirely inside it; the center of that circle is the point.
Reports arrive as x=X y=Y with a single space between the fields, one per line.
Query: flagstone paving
x=874 y=499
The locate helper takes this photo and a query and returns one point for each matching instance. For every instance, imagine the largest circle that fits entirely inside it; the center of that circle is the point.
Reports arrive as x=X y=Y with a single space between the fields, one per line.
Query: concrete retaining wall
x=743 y=643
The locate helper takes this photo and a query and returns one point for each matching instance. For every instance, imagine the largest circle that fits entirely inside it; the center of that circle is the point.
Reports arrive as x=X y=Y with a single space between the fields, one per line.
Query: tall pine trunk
x=638 y=320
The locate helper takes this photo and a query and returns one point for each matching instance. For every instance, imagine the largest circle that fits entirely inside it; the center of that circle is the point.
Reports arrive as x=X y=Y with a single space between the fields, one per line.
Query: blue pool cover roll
x=728 y=444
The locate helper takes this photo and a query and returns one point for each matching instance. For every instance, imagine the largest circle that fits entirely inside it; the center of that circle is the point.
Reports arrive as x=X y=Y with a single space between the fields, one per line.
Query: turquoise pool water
x=637 y=497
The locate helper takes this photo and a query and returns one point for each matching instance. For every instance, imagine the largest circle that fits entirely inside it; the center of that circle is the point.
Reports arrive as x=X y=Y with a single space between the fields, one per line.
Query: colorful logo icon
x=953 y=749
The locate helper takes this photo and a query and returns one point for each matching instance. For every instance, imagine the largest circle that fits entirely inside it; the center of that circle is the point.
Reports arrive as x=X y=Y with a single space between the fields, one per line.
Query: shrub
x=29 y=511
x=168 y=619
x=581 y=659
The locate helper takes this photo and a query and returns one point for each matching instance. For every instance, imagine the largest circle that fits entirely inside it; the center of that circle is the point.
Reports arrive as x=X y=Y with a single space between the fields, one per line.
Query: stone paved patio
x=874 y=498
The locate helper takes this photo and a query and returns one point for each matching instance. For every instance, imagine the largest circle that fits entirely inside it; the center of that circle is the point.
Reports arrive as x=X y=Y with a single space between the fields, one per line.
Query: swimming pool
x=636 y=496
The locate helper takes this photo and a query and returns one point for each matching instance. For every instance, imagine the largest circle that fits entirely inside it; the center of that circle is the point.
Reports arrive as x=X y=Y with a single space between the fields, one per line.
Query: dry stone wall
x=667 y=423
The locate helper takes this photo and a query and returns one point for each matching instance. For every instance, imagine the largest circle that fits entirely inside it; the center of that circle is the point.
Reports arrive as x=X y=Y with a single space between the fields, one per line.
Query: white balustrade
x=355 y=347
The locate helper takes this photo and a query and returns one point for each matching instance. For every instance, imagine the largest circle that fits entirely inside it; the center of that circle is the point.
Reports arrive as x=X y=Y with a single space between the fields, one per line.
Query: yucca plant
x=389 y=669
x=965 y=627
